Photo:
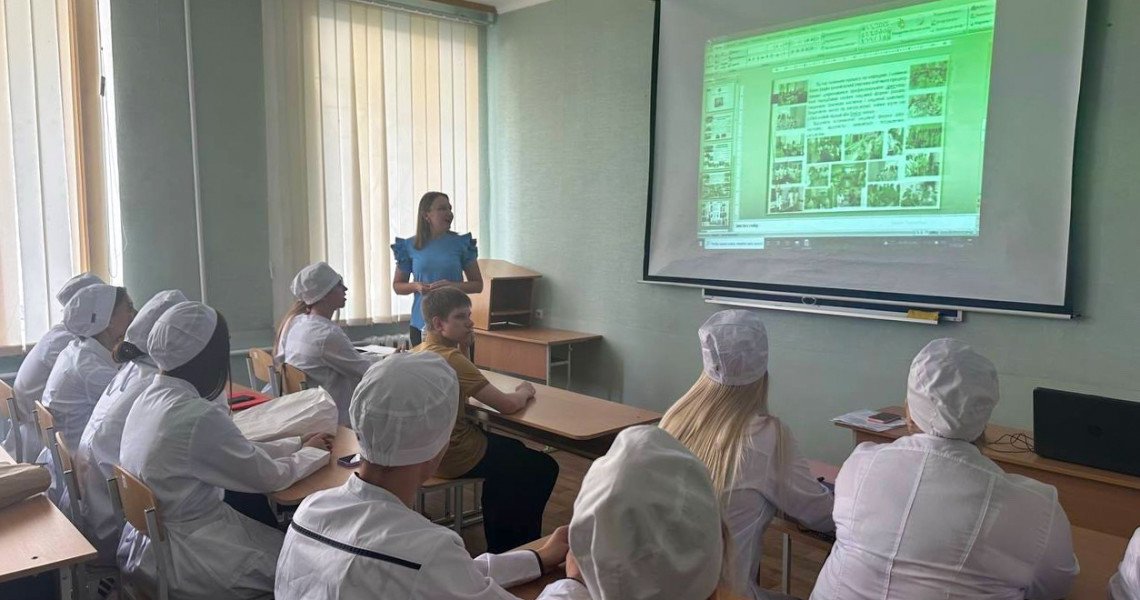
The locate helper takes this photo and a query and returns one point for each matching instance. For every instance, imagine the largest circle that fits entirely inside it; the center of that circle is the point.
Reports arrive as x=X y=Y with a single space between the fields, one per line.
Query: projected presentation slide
x=863 y=127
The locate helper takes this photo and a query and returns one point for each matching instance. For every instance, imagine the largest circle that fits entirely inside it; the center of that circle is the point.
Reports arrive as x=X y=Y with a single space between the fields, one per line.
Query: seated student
x=309 y=340
x=1125 y=584
x=99 y=446
x=98 y=316
x=518 y=480
x=35 y=369
x=928 y=516
x=646 y=525
x=363 y=539
x=183 y=445
x=752 y=457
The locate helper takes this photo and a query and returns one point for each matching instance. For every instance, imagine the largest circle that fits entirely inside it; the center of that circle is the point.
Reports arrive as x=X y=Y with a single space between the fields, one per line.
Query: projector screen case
x=1010 y=254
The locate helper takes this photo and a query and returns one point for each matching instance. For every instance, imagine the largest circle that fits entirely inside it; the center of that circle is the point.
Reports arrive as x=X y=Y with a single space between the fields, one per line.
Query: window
x=367 y=109
x=53 y=221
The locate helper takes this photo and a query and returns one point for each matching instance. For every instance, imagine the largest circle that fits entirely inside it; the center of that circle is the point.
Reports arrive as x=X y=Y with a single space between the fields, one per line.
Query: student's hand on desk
x=526 y=388
x=555 y=550
x=319 y=440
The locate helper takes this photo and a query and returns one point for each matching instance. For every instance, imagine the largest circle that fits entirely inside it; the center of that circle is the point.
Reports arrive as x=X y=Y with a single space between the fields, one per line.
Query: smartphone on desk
x=350 y=461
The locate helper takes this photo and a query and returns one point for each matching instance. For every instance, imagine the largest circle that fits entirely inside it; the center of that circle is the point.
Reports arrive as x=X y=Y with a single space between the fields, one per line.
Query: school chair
x=454 y=514
x=260 y=366
x=9 y=412
x=44 y=422
x=294 y=379
x=135 y=502
x=62 y=459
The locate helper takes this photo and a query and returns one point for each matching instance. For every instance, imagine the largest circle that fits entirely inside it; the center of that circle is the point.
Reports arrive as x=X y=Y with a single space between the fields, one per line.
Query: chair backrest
x=262 y=367
x=70 y=477
x=6 y=409
x=44 y=422
x=137 y=500
x=294 y=379
x=10 y=412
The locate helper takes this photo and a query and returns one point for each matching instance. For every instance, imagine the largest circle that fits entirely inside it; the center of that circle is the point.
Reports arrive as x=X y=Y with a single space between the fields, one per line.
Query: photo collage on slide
x=716 y=154
x=860 y=139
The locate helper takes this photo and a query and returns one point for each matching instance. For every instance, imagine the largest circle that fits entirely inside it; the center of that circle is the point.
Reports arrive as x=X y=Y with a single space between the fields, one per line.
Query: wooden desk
x=330 y=476
x=527 y=351
x=37 y=537
x=577 y=423
x=1093 y=498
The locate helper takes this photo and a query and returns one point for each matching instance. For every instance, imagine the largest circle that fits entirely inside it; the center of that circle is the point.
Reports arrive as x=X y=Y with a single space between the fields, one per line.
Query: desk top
x=330 y=476
x=1099 y=555
x=568 y=414
x=1025 y=459
x=36 y=537
x=539 y=335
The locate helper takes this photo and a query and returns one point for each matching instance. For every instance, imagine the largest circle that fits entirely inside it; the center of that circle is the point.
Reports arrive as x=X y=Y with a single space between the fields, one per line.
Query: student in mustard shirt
x=518 y=480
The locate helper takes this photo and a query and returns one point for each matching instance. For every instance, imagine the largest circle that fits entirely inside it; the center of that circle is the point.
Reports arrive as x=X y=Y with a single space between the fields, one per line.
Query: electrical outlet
x=539 y=313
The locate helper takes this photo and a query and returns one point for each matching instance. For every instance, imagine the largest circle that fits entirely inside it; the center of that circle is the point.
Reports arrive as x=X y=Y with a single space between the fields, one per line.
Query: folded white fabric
x=18 y=482
x=294 y=415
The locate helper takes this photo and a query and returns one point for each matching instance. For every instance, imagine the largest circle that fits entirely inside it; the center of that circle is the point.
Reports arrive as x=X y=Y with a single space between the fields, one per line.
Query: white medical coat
x=1125 y=584
x=753 y=501
x=188 y=451
x=83 y=370
x=360 y=541
x=323 y=351
x=928 y=517
x=99 y=450
x=29 y=388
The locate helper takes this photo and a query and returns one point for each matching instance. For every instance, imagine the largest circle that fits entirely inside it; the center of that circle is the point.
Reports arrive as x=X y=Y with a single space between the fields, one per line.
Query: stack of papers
x=859 y=419
x=373 y=349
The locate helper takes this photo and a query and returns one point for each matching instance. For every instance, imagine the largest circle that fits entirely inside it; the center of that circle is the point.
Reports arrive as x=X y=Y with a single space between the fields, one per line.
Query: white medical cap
x=73 y=285
x=952 y=390
x=89 y=310
x=180 y=334
x=734 y=347
x=404 y=409
x=148 y=315
x=315 y=282
x=646 y=523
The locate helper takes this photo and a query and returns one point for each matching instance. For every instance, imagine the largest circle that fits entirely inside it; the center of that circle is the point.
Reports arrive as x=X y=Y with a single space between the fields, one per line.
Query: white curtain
x=367 y=109
x=42 y=213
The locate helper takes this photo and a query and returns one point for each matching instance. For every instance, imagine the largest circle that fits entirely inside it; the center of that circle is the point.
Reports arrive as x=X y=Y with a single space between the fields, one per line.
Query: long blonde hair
x=297 y=308
x=712 y=420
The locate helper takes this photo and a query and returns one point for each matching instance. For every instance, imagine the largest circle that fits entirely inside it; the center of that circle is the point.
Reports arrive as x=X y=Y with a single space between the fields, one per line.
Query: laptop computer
x=1087 y=430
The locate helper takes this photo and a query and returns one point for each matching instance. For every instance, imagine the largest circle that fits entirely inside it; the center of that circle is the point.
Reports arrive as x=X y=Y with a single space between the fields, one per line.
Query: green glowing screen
x=842 y=127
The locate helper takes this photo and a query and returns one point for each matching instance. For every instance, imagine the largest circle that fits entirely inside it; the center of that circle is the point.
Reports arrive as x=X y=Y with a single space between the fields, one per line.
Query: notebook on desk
x=1087 y=430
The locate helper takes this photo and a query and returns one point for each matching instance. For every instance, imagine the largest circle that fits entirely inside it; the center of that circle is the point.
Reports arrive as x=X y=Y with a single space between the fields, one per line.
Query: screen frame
x=797 y=293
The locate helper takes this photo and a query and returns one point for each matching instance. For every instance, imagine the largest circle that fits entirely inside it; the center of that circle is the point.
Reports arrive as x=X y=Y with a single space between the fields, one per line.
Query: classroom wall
x=568 y=109
x=155 y=160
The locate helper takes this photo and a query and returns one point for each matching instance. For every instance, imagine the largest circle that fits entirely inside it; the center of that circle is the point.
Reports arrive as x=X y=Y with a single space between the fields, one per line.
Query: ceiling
x=508 y=5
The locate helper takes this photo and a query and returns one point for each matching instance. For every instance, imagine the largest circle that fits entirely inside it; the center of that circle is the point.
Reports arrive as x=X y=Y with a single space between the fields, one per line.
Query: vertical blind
x=43 y=196
x=367 y=109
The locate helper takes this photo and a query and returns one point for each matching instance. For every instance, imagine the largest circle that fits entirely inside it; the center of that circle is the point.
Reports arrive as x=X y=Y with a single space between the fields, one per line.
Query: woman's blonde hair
x=297 y=308
x=712 y=420
x=423 y=229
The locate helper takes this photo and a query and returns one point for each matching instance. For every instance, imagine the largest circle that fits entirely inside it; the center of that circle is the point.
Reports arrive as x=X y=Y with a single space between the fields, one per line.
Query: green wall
x=568 y=97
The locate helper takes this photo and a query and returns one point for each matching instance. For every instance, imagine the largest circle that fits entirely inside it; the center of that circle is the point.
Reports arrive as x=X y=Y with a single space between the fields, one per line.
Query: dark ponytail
x=126 y=352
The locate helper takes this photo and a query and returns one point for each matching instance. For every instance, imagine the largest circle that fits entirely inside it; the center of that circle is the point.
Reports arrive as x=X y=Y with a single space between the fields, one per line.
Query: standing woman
x=436 y=256
x=35 y=369
x=98 y=316
x=308 y=339
x=755 y=466
x=185 y=446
